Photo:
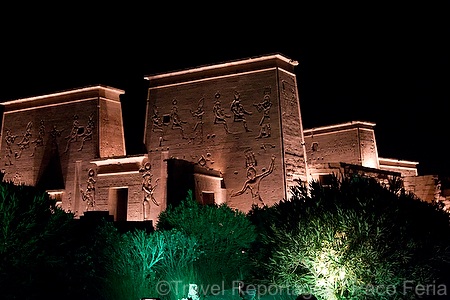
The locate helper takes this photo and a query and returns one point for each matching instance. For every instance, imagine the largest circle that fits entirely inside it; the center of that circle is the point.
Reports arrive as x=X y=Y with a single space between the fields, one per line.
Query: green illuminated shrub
x=134 y=262
x=177 y=265
x=223 y=234
x=130 y=262
x=356 y=240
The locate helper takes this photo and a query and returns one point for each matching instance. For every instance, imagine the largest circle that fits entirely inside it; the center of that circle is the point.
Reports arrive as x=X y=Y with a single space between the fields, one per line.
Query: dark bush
x=34 y=234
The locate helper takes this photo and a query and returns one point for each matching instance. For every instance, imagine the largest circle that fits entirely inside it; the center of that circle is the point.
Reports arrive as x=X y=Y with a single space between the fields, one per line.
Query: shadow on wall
x=50 y=175
x=133 y=115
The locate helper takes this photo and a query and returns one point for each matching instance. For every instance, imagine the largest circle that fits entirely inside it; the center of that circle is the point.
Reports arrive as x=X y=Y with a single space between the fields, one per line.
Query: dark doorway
x=180 y=179
x=208 y=198
x=326 y=180
x=118 y=203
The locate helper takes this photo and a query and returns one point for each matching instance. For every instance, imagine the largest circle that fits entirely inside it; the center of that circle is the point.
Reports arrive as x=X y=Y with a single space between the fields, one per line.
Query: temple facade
x=231 y=132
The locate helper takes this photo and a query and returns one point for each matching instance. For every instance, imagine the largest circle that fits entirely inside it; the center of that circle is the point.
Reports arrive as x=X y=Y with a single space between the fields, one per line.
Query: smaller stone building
x=352 y=144
x=351 y=148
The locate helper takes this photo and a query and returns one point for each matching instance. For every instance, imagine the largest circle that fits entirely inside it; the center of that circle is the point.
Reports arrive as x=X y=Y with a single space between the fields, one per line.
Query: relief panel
x=25 y=142
x=39 y=141
x=88 y=195
x=253 y=182
x=198 y=115
x=78 y=132
x=239 y=112
x=264 y=108
x=227 y=124
x=148 y=187
x=219 y=115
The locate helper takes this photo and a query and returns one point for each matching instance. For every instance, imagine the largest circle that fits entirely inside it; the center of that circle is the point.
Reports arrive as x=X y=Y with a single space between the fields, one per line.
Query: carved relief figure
x=25 y=142
x=176 y=121
x=54 y=134
x=198 y=113
x=148 y=189
x=157 y=124
x=73 y=136
x=239 y=112
x=87 y=135
x=156 y=120
x=79 y=131
x=264 y=107
x=253 y=181
x=88 y=194
x=39 y=141
x=264 y=131
x=9 y=139
x=219 y=115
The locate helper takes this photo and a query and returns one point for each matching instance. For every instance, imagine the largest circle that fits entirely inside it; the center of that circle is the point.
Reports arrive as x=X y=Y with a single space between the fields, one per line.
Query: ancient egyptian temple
x=230 y=132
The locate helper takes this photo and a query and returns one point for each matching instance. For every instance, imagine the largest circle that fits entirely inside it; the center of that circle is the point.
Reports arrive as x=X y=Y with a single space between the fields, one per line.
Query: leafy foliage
x=133 y=262
x=223 y=234
x=177 y=267
x=339 y=241
x=336 y=242
x=129 y=261
x=33 y=231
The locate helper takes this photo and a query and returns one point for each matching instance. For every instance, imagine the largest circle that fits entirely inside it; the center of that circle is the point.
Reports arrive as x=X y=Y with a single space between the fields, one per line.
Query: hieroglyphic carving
x=88 y=194
x=156 y=120
x=288 y=88
x=148 y=189
x=198 y=113
x=73 y=136
x=87 y=134
x=9 y=139
x=39 y=141
x=264 y=107
x=315 y=146
x=25 y=142
x=176 y=121
x=264 y=146
x=219 y=116
x=203 y=160
x=239 y=112
x=253 y=181
x=250 y=159
x=17 y=179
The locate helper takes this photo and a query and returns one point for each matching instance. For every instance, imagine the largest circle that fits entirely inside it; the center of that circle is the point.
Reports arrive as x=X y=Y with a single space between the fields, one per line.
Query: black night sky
x=385 y=65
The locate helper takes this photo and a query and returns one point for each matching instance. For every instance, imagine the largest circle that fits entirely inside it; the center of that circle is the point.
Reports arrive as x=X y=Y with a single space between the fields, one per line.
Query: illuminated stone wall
x=49 y=141
x=352 y=143
x=233 y=118
x=405 y=168
x=111 y=136
x=292 y=130
x=426 y=187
